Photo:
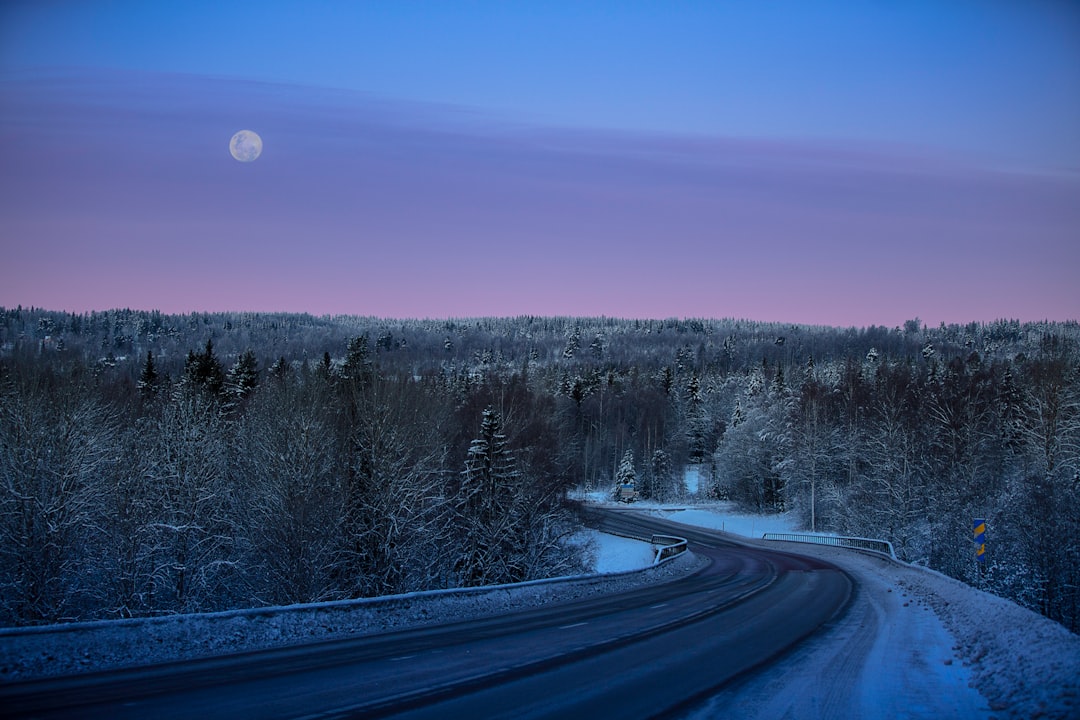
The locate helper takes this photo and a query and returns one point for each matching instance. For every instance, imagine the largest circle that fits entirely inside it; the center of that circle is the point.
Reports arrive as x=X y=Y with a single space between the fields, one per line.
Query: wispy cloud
x=361 y=204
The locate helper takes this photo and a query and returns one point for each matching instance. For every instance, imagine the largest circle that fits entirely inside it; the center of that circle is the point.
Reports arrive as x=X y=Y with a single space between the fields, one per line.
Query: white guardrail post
x=855 y=543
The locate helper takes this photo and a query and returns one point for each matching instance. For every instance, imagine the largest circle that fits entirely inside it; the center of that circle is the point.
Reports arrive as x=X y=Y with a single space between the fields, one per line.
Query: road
x=655 y=651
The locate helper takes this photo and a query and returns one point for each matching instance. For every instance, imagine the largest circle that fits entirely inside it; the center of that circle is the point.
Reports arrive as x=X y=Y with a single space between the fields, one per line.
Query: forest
x=154 y=464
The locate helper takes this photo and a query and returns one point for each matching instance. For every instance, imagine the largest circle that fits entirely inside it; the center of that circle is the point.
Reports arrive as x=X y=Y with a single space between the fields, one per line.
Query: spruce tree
x=697 y=430
x=661 y=471
x=280 y=369
x=486 y=506
x=626 y=478
x=203 y=371
x=243 y=376
x=357 y=358
x=148 y=379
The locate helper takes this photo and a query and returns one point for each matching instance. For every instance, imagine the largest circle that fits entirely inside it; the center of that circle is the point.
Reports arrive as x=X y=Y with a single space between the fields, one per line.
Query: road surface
x=655 y=651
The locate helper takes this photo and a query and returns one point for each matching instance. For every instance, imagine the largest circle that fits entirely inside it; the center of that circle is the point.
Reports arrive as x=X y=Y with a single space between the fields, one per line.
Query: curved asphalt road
x=651 y=652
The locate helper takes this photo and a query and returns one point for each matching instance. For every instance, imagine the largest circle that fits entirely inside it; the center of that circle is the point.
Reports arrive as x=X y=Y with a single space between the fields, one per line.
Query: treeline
x=339 y=456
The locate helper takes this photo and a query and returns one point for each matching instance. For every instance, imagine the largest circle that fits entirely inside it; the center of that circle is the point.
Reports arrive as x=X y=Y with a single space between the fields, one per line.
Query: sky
x=828 y=163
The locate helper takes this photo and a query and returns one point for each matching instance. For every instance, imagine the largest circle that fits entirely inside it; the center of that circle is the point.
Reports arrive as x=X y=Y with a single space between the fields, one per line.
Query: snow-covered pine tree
x=203 y=371
x=280 y=369
x=243 y=377
x=697 y=421
x=485 y=507
x=626 y=478
x=148 y=379
x=662 y=476
x=573 y=344
x=596 y=347
x=357 y=366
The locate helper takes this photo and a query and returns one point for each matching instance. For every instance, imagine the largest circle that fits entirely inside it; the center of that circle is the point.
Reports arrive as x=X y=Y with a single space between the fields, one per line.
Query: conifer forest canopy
x=153 y=464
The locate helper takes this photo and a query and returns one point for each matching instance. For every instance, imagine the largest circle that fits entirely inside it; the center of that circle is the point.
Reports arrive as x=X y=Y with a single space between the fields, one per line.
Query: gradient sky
x=844 y=163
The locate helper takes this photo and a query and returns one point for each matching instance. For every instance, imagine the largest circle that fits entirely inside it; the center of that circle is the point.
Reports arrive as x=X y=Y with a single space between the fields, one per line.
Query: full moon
x=246 y=146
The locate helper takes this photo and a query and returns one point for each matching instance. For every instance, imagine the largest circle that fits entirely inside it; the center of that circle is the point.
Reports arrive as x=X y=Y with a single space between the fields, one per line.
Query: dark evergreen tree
x=243 y=376
x=662 y=477
x=697 y=422
x=279 y=371
x=203 y=371
x=148 y=378
x=486 y=503
x=357 y=367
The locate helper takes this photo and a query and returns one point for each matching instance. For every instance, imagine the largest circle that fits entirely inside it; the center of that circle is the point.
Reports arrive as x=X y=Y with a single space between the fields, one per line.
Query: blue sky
x=872 y=161
x=1000 y=79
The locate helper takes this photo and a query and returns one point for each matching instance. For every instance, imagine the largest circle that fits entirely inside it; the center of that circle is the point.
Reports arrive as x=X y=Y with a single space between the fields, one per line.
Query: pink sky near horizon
x=118 y=191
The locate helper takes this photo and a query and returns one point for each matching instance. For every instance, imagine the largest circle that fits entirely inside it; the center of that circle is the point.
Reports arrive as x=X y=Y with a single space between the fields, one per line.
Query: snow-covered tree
x=749 y=458
x=697 y=422
x=185 y=460
x=292 y=500
x=662 y=478
x=357 y=367
x=243 y=376
x=148 y=378
x=485 y=507
x=396 y=524
x=54 y=452
x=203 y=371
x=626 y=478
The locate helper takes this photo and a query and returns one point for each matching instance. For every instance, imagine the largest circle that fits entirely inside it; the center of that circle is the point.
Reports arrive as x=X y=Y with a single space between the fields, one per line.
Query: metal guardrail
x=667 y=547
x=855 y=543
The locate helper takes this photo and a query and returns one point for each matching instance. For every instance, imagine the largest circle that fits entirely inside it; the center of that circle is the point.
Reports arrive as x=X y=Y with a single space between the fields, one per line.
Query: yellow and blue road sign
x=980 y=539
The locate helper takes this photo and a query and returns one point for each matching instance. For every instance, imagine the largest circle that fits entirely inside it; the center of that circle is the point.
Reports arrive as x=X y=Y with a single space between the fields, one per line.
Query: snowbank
x=614 y=554
x=715 y=515
x=721 y=517
x=1026 y=665
x=693 y=478
x=934 y=636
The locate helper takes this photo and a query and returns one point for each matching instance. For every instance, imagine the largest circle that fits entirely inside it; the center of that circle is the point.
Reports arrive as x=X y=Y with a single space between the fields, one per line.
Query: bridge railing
x=667 y=547
x=855 y=543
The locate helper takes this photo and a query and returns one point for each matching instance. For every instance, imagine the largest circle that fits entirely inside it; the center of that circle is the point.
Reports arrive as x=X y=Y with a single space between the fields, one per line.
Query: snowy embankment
x=1026 y=665
x=614 y=554
x=714 y=515
x=915 y=644
x=54 y=650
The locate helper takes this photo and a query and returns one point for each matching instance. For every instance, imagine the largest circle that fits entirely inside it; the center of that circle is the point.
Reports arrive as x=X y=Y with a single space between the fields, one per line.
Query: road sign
x=980 y=539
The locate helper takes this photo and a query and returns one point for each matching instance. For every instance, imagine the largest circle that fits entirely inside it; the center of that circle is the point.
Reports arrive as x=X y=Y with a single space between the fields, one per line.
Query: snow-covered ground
x=715 y=515
x=915 y=644
x=614 y=554
x=692 y=478
x=721 y=516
